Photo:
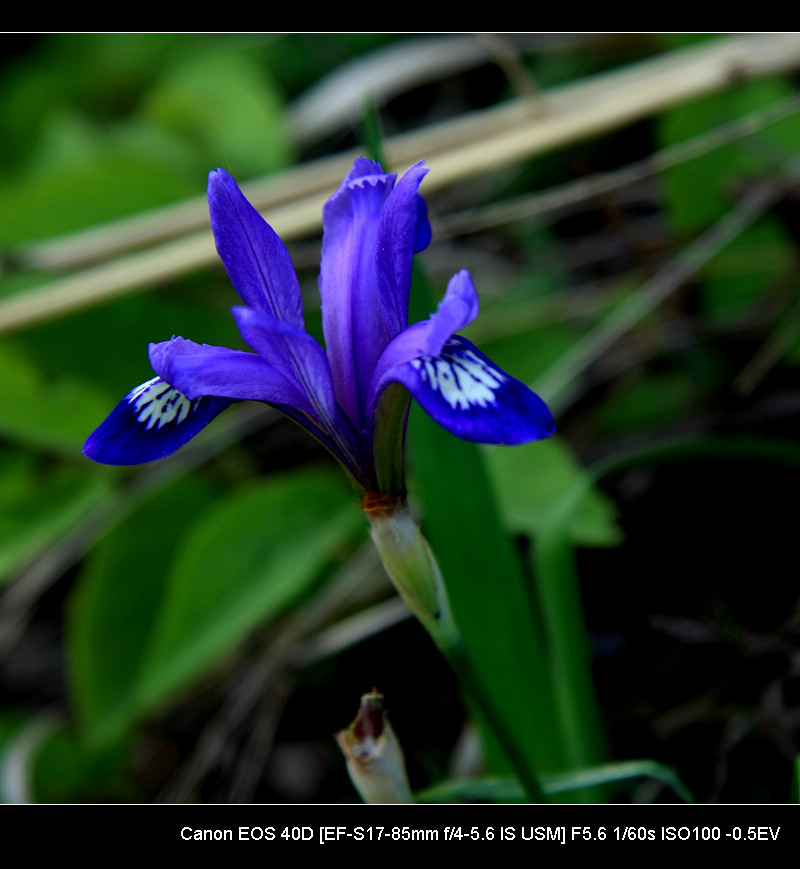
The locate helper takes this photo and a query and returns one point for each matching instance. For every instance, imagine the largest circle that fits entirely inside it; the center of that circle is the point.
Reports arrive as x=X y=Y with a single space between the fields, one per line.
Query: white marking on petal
x=158 y=403
x=461 y=376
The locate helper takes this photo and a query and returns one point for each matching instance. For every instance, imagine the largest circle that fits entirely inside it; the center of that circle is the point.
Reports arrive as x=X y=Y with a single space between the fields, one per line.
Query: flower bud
x=374 y=757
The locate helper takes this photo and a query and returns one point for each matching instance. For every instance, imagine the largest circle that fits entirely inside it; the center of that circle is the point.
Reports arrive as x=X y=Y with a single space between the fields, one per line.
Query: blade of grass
x=484 y=579
x=558 y=582
x=499 y=790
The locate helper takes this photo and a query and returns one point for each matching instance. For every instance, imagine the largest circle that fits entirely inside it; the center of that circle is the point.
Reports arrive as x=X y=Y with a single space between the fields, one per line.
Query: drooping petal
x=297 y=354
x=257 y=261
x=466 y=393
x=463 y=390
x=303 y=362
x=203 y=370
x=151 y=422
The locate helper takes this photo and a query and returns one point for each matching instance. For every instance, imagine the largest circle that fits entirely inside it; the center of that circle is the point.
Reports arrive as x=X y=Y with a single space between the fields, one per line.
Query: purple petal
x=202 y=370
x=352 y=318
x=399 y=233
x=466 y=393
x=361 y=167
x=422 y=231
x=458 y=308
x=150 y=423
x=257 y=261
x=371 y=231
x=295 y=353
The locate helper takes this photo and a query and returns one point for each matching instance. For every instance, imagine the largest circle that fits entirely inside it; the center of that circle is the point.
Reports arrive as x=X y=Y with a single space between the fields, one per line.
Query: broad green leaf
x=245 y=561
x=227 y=106
x=529 y=478
x=52 y=413
x=116 y=603
x=40 y=503
x=85 y=178
x=64 y=770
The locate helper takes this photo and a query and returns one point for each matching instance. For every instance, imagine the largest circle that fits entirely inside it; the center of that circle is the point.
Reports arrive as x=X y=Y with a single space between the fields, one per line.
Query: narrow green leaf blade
x=482 y=572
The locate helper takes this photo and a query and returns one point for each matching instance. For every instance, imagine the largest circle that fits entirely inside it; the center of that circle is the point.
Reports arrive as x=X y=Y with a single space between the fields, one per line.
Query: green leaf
x=529 y=478
x=701 y=190
x=502 y=790
x=227 y=107
x=116 y=603
x=85 y=178
x=183 y=581
x=698 y=191
x=245 y=561
x=64 y=769
x=490 y=601
x=48 y=413
x=29 y=522
x=558 y=580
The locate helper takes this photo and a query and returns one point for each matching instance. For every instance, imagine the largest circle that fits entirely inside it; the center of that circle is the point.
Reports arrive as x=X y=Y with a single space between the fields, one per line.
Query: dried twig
x=454 y=150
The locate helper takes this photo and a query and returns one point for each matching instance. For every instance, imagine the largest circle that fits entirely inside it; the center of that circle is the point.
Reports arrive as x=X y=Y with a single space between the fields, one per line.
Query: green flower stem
x=460 y=661
x=412 y=567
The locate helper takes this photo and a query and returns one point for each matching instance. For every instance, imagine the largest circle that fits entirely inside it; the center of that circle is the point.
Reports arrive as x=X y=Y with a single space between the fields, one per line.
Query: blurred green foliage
x=161 y=600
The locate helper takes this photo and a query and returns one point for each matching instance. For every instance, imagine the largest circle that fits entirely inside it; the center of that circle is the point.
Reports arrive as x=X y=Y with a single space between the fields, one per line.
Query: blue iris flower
x=346 y=397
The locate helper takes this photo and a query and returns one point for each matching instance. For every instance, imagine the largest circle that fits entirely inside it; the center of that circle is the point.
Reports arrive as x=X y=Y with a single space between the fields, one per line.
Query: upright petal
x=422 y=231
x=458 y=308
x=372 y=229
x=352 y=318
x=404 y=230
x=257 y=261
x=151 y=422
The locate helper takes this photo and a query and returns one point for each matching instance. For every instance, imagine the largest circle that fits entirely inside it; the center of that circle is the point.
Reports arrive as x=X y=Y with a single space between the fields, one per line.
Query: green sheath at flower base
x=374 y=757
x=411 y=565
